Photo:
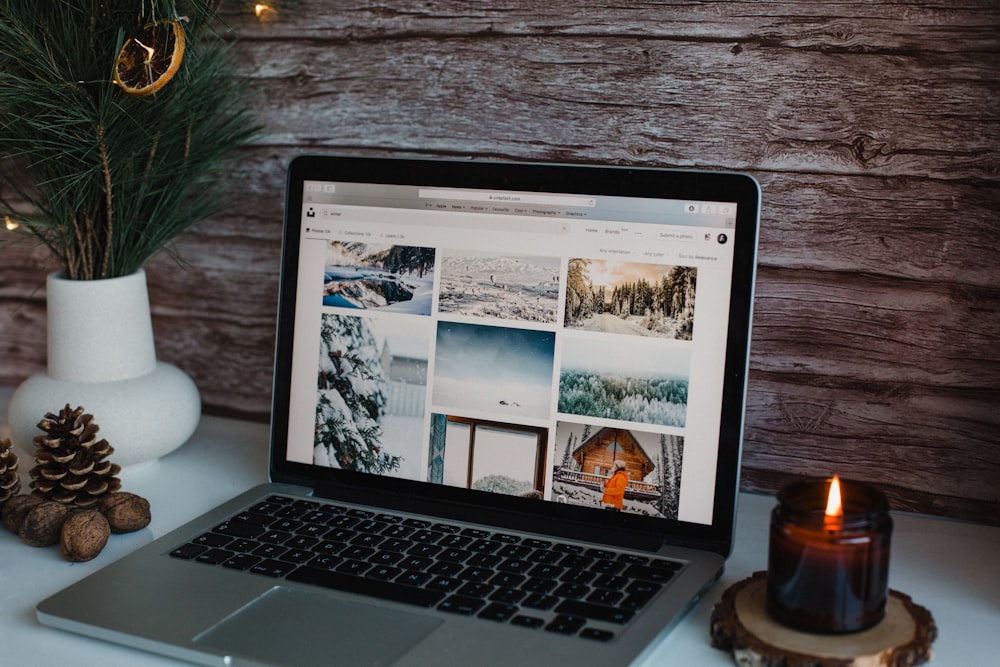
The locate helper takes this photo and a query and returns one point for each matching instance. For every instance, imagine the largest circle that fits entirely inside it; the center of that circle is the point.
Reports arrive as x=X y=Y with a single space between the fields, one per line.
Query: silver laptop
x=507 y=414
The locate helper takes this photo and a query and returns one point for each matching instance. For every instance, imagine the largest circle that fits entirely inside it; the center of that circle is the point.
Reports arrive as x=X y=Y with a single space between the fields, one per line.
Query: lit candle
x=828 y=562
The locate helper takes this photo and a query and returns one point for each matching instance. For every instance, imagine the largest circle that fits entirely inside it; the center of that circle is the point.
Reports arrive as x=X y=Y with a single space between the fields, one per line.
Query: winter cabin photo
x=390 y=277
x=632 y=380
x=487 y=456
x=630 y=298
x=372 y=386
x=587 y=455
x=498 y=370
x=511 y=287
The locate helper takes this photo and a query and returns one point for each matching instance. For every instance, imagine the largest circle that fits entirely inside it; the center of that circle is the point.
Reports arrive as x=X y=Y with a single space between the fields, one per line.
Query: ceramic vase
x=101 y=356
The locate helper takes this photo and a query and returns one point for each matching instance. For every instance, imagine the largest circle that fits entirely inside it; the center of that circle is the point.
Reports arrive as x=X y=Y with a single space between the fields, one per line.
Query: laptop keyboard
x=497 y=576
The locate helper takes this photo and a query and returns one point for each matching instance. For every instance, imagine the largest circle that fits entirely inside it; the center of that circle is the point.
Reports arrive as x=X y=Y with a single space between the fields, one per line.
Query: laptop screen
x=570 y=345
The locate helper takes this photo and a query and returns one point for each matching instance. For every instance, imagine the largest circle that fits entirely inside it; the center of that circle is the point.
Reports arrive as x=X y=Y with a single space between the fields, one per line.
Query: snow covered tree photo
x=351 y=400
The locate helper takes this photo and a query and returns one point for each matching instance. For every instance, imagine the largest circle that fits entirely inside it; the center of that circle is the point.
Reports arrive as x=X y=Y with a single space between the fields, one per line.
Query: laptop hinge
x=499 y=518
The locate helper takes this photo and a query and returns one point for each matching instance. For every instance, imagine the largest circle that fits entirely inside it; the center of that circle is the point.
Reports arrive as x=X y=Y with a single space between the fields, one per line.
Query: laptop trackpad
x=300 y=628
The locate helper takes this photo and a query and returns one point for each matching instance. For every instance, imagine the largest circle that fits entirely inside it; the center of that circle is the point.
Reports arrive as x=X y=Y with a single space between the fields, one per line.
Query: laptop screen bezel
x=531 y=177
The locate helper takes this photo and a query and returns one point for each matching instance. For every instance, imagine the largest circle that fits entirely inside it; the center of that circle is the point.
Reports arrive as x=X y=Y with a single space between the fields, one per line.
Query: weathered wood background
x=873 y=127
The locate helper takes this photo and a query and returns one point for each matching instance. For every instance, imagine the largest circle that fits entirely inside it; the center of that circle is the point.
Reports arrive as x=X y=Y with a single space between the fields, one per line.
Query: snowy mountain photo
x=509 y=288
x=630 y=298
x=501 y=370
x=394 y=278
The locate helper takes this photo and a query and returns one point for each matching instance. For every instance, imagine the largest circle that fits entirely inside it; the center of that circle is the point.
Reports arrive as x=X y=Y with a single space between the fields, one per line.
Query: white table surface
x=950 y=567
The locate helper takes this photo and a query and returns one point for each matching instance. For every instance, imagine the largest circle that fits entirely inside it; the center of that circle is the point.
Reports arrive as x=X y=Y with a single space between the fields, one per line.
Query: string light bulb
x=10 y=224
x=260 y=10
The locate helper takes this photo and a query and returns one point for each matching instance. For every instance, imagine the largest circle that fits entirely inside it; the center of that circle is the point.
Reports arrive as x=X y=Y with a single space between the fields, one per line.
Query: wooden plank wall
x=873 y=127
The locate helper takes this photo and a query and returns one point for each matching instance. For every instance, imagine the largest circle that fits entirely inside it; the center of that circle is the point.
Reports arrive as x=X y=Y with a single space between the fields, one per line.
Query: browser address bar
x=508 y=198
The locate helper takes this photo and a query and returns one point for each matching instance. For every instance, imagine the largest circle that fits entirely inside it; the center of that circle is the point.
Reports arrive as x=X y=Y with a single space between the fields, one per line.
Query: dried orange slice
x=150 y=59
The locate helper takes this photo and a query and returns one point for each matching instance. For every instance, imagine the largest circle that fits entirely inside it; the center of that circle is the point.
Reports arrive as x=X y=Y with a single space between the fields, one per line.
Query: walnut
x=125 y=511
x=42 y=524
x=84 y=535
x=15 y=509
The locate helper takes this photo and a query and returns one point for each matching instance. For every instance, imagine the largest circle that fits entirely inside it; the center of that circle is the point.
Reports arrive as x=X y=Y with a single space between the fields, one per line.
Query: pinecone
x=72 y=467
x=10 y=483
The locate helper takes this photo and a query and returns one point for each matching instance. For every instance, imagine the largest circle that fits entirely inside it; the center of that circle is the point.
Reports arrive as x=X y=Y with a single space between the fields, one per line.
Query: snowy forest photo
x=655 y=494
x=482 y=284
x=630 y=298
x=369 y=414
x=637 y=381
x=393 y=277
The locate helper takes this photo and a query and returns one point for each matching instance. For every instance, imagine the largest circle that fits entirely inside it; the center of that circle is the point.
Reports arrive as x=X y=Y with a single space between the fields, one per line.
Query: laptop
x=507 y=414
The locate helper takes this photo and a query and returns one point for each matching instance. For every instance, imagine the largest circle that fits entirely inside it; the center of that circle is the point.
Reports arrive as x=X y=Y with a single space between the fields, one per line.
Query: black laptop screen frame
x=548 y=178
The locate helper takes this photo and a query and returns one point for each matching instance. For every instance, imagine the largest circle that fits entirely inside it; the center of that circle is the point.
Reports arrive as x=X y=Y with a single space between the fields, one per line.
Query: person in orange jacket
x=614 y=488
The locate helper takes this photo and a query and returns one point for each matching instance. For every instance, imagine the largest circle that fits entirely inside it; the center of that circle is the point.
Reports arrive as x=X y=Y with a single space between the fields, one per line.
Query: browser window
x=547 y=345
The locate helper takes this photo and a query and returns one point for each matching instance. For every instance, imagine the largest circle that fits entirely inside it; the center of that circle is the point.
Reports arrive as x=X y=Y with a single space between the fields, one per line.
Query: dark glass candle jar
x=828 y=574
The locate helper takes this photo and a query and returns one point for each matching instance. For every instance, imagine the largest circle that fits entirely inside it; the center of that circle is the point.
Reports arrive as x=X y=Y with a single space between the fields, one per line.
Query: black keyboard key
x=239 y=529
x=540 y=601
x=383 y=572
x=459 y=604
x=241 y=562
x=353 y=567
x=515 y=565
x=386 y=558
x=416 y=523
x=360 y=514
x=527 y=621
x=537 y=544
x=243 y=545
x=538 y=585
x=455 y=555
x=343 y=521
x=545 y=556
x=566 y=625
x=275 y=537
x=269 y=550
x=445 y=584
x=446 y=567
x=383 y=590
x=545 y=571
x=507 y=595
x=212 y=540
x=446 y=528
x=507 y=538
x=421 y=563
x=388 y=518
x=426 y=536
x=329 y=548
x=577 y=576
x=569 y=548
x=572 y=591
x=595 y=612
x=188 y=551
x=301 y=542
x=397 y=531
x=214 y=556
x=610 y=582
x=514 y=551
x=508 y=579
x=272 y=568
x=315 y=530
x=475 y=574
x=483 y=560
x=601 y=553
x=414 y=578
x=297 y=556
x=485 y=546
x=605 y=597
x=576 y=562
x=475 y=589
x=498 y=612
x=325 y=561
x=476 y=533
x=633 y=559
x=646 y=573
x=607 y=566
x=286 y=525
x=597 y=634
x=455 y=541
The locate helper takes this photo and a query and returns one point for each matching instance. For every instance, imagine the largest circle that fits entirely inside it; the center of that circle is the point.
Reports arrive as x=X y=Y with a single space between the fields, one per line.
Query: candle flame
x=10 y=224
x=149 y=50
x=834 y=506
x=260 y=9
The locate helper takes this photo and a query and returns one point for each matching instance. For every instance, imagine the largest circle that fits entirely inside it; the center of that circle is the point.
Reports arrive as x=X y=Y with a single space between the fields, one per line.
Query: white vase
x=101 y=356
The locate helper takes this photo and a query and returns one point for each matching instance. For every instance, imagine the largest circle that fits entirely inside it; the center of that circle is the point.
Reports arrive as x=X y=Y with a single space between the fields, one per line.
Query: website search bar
x=508 y=198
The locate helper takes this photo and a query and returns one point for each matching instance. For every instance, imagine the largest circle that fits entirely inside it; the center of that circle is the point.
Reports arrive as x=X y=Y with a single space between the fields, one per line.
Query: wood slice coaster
x=742 y=626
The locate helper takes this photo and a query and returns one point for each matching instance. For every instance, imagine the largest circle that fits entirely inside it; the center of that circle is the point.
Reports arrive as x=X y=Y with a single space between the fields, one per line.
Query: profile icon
x=723 y=239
